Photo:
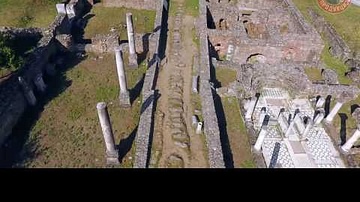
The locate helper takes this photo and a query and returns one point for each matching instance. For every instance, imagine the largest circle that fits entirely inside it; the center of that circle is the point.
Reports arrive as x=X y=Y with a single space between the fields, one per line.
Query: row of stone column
x=112 y=155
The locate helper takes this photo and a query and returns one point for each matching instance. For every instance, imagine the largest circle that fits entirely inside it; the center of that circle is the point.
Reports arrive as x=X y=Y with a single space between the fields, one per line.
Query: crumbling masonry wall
x=339 y=48
x=145 y=128
x=211 y=126
x=136 y=4
x=276 y=31
x=12 y=101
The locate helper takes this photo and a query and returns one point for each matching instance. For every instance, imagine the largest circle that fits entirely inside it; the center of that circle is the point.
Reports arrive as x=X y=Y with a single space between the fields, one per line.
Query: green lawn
x=192 y=7
x=68 y=133
x=347 y=23
x=237 y=134
x=313 y=73
x=225 y=76
x=106 y=18
x=27 y=13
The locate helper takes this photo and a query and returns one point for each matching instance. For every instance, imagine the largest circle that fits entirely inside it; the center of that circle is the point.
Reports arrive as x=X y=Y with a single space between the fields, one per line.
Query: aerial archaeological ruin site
x=180 y=84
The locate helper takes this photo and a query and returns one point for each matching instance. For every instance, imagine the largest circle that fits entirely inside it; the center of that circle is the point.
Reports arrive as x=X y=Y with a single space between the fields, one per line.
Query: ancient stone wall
x=280 y=33
x=136 y=4
x=290 y=76
x=12 y=101
x=338 y=47
x=13 y=32
x=145 y=129
x=211 y=126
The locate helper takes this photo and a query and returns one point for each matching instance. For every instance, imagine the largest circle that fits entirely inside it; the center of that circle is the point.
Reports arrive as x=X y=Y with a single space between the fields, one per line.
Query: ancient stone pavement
x=174 y=137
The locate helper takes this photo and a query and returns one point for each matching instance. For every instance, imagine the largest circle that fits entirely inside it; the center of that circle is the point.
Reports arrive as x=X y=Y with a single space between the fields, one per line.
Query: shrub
x=8 y=58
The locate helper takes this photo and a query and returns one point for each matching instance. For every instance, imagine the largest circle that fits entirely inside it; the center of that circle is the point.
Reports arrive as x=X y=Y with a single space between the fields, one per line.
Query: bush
x=8 y=58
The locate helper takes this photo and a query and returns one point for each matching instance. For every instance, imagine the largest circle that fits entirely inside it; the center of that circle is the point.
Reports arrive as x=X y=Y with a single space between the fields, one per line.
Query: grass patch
x=347 y=23
x=192 y=7
x=237 y=133
x=196 y=39
x=335 y=64
x=68 y=133
x=225 y=76
x=313 y=73
x=173 y=8
x=106 y=18
x=27 y=13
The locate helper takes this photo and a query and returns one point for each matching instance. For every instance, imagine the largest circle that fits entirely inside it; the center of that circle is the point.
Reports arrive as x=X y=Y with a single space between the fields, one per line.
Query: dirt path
x=174 y=136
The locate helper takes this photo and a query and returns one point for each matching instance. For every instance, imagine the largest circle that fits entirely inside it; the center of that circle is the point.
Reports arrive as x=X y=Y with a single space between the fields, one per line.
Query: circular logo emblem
x=334 y=6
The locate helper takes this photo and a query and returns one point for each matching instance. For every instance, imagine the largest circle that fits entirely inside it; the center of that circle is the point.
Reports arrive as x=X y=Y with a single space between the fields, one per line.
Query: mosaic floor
x=314 y=149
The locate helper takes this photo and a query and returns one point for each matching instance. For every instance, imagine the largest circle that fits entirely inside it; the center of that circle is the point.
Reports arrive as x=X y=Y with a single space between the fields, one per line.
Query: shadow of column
x=327 y=105
x=125 y=145
x=343 y=118
x=275 y=155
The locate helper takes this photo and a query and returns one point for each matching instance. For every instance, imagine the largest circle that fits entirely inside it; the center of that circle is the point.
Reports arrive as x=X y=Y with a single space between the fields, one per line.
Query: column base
x=112 y=158
x=124 y=98
x=133 y=63
x=343 y=151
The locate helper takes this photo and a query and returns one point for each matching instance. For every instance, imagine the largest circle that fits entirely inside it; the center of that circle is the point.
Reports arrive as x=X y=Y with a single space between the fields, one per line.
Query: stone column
x=333 y=112
x=319 y=117
x=307 y=129
x=347 y=146
x=39 y=83
x=124 y=95
x=112 y=155
x=282 y=110
x=262 y=116
x=130 y=31
x=320 y=103
x=28 y=92
x=291 y=126
x=251 y=108
x=260 y=139
x=299 y=124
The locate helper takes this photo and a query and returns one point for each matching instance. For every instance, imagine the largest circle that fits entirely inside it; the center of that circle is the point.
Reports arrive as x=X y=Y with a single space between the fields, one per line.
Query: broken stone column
x=28 y=92
x=194 y=121
x=130 y=31
x=320 y=103
x=61 y=8
x=319 y=117
x=112 y=155
x=195 y=84
x=333 y=112
x=39 y=83
x=251 y=108
x=199 y=128
x=347 y=146
x=124 y=95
